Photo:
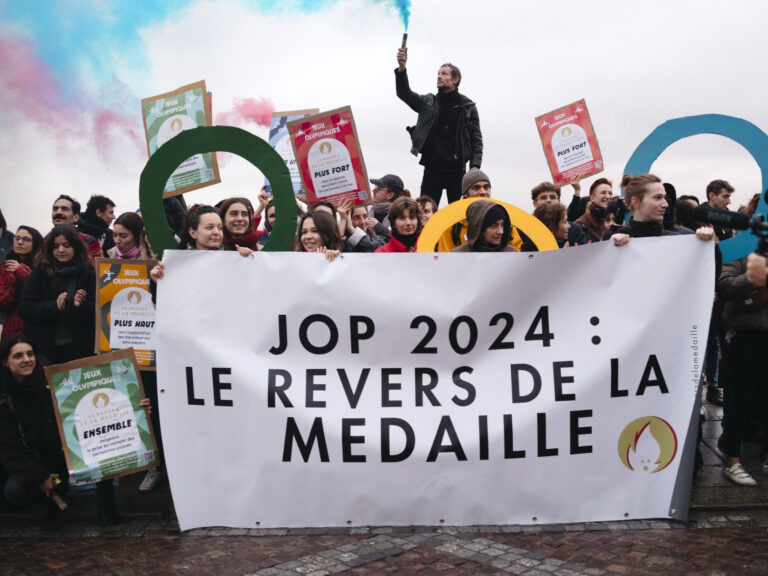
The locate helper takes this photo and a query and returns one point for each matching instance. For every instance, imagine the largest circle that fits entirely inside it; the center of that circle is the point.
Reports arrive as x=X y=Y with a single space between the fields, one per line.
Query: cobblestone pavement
x=712 y=544
x=727 y=534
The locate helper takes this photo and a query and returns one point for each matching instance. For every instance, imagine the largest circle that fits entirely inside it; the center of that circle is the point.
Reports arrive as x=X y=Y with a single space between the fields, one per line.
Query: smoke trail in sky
x=404 y=8
x=31 y=93
x=247 y=110
x=61 y=73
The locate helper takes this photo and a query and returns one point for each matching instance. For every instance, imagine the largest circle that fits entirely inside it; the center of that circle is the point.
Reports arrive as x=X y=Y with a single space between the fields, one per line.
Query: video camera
x=737 y=221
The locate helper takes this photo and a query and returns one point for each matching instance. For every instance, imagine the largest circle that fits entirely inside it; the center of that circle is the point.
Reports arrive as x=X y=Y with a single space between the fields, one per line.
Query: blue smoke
x=69 y=34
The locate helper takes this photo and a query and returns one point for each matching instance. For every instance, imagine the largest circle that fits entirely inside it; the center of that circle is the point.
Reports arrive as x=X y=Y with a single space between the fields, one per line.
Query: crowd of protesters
x=47 y=282
x=47 y=289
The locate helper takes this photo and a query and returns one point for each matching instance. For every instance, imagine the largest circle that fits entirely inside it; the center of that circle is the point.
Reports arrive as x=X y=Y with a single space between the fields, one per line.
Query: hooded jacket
x=476 y=213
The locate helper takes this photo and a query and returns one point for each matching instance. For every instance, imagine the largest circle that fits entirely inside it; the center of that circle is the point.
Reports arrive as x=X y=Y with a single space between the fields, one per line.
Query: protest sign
x=125 y=313
x=280 y=140
x=569 y=142
x=328 y=154
x=169 y=114
x=104 y=431
x=545 y=387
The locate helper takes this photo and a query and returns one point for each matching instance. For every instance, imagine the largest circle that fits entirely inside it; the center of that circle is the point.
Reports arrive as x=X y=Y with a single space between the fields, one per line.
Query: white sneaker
x=152 y=479
x=738 y=475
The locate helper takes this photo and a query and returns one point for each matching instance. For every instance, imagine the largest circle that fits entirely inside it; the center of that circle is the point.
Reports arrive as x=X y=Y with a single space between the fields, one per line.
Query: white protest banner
x=420 y=389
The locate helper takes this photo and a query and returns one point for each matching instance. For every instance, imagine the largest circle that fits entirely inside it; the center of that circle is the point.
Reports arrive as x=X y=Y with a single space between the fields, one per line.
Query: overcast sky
x=73 y=74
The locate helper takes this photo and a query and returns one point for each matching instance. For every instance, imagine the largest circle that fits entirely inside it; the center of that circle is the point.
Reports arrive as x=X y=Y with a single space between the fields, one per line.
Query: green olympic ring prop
x=204 y=139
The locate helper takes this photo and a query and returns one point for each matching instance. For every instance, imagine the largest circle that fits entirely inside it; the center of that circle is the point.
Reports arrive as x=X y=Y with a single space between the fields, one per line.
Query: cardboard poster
x=328 y=154
x=104 y=431
x=169 y=114
x=125 y=313
x=280 y=140
x=569 y=142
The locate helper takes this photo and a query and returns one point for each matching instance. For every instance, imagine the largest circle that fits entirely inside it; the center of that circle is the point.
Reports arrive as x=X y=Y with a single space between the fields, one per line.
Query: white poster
x=425 y=389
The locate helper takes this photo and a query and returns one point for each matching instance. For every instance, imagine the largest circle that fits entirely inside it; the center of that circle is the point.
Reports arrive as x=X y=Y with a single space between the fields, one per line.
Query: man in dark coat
x=447 y=131
x=99 y=214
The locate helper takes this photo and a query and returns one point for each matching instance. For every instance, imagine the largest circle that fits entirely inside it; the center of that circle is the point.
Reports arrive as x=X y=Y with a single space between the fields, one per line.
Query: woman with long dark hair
x=30 y=446
x=17 y=267
x=57 y=302
x=318 y=232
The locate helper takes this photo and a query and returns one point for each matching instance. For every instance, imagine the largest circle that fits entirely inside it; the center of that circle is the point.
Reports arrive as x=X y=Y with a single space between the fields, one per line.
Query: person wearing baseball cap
x=387 y=189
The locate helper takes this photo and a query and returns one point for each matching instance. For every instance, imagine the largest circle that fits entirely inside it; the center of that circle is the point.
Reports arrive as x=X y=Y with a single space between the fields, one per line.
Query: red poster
x=569 y=142
x=328 y=153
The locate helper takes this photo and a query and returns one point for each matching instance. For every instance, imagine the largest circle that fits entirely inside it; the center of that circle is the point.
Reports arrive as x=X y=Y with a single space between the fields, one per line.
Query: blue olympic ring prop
x=754 y=140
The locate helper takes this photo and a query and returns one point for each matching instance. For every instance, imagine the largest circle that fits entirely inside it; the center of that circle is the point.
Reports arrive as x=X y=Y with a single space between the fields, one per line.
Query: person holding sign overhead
x=447 y=132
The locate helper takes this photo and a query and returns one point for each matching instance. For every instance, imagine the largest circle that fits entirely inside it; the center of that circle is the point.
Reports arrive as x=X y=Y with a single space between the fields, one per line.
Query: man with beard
x=66 y=210
x=447 y=131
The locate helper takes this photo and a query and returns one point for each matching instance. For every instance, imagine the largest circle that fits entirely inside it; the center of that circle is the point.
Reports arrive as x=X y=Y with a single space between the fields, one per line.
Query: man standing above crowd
x=447 y=131
x=66 y=210
x=719 y=196
x=99 y=214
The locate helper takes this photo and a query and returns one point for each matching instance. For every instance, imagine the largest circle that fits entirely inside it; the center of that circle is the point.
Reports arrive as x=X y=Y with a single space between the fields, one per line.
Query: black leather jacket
x=469 y=138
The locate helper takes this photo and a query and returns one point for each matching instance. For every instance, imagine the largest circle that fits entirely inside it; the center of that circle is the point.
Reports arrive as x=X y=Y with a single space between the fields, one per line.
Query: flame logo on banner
x=100 y=400
x=134 y=297
x=647 y=444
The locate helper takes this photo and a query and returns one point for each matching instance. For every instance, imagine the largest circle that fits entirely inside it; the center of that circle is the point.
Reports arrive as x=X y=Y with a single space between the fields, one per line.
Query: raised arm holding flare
x=447 y=131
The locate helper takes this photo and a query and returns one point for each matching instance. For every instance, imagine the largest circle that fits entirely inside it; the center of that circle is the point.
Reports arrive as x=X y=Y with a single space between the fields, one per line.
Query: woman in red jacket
x=14 y=272
x=405 y=216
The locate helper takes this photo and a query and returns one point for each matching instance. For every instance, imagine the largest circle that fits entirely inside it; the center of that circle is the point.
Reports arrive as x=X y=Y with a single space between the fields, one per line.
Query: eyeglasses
x=22 y=239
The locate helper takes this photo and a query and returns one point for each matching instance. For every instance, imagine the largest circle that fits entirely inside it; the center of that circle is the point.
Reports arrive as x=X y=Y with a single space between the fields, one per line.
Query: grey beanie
x=473 y=176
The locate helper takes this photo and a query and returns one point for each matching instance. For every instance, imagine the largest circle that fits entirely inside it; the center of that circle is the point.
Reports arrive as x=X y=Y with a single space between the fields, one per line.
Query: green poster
x=104 y=431
x=168 y=115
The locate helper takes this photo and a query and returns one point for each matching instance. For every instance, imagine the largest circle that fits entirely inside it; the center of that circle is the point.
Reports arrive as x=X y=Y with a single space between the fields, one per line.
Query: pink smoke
x=29 y=87
x=36 y=96
x=247 y=110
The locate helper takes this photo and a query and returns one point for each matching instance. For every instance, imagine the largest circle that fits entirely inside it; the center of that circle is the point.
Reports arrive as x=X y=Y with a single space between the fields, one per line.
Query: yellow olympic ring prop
x=455 y=212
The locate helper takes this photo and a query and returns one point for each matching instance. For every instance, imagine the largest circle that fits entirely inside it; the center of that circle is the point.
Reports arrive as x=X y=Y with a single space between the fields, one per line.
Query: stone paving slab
x=712 y=544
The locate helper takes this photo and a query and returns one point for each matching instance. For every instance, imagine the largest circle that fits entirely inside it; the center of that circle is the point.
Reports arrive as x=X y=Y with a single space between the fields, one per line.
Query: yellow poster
x=125 y=313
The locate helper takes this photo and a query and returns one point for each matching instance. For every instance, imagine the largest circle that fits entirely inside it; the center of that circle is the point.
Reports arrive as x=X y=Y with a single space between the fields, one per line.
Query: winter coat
x=394 y=245
x=359 y=241
x=96 y=227
x=30 y=446
x=11 y=284
x=41 y=315
x=733 y=288
x=468 y=146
